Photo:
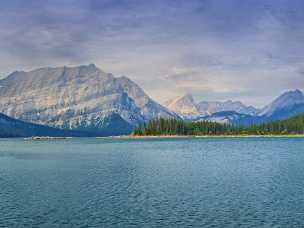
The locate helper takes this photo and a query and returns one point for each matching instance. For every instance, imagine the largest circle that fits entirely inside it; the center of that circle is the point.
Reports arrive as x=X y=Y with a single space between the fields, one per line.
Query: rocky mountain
x=87 y=99
x=286 y=105
x=79 y=98
x=235 y=112
x=227 y=117
x=212 y=107
x=10 y=127
x=233 y=118
x=187 y=108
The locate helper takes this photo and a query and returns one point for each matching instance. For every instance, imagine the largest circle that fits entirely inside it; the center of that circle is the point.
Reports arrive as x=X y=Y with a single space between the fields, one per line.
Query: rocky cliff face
x=81 y=97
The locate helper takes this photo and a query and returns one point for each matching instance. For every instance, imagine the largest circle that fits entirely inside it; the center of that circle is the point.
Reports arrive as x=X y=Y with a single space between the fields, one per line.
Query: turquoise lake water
x=228 y=182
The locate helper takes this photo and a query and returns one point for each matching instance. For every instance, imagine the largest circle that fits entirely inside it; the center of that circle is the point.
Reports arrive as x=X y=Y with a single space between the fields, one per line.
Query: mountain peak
x=187 y=97
x=208 y=108
x=293 y=96
x=92 y=65
x=78 y=97
x=184 y=105
x=293 y=93
x=286 y=100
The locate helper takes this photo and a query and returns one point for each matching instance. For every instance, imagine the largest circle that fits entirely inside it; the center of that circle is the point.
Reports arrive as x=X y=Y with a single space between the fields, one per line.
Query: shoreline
x=203 y=136
x=150 y=136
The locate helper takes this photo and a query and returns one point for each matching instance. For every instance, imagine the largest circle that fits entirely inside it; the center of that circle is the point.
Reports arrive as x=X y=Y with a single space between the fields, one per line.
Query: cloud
x=216 y=49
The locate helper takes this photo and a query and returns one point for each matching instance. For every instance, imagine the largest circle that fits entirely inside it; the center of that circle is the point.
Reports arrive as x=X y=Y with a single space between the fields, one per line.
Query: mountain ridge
x=85 y=98
x=284 y=101
x=189 y=109
x=10 y=127
x=234 y=112
x=185 y=106
x=77 y=98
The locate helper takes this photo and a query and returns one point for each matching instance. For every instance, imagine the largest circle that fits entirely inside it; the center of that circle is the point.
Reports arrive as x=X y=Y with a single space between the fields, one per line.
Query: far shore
x=202 y=136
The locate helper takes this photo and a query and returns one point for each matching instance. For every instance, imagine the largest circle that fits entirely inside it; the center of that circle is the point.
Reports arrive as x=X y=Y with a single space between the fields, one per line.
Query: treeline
x=161 y=126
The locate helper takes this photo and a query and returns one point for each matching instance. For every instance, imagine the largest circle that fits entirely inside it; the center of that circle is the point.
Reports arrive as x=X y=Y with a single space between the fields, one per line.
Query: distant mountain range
x=234 y=112
x=186 y=107
x=85 y=100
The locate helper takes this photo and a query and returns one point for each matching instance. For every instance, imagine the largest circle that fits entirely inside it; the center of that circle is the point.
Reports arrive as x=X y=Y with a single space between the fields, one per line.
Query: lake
x=199 y=182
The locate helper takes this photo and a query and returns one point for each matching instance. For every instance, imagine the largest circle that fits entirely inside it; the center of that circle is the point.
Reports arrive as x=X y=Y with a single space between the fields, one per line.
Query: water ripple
x=152 y=183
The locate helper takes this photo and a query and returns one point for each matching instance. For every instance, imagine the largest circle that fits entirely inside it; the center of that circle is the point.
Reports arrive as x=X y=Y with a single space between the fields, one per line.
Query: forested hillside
x=293 y=125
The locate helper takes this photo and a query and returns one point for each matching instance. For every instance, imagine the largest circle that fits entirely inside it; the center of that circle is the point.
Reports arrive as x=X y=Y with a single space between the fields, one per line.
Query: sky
x=247 y=50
